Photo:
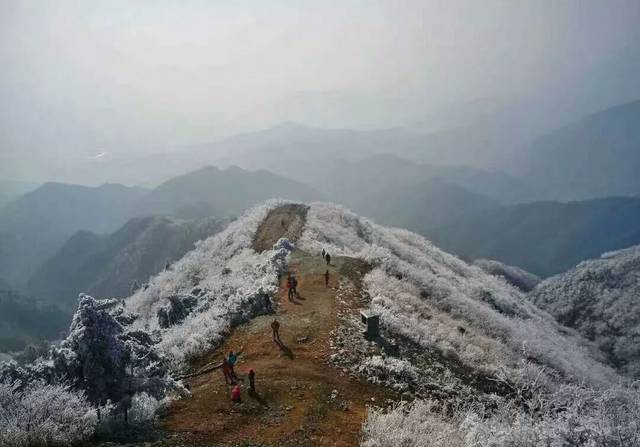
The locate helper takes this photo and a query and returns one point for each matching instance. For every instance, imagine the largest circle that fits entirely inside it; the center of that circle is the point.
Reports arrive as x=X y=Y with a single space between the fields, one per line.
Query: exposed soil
x=285 y=221
x=301 y=401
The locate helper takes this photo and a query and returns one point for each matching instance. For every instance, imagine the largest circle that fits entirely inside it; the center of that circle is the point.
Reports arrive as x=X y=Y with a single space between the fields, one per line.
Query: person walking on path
x=275 y=329
x=294 y=283
x=252 y=381
x=323 y=252
x=232 y=360
x=236 y=394
x=290 y=287
x=328 y=258
x=226 y=370
x=326 y=278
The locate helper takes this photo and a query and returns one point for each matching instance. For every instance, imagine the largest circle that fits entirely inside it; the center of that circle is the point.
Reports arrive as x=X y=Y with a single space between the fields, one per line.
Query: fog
x=84 y=79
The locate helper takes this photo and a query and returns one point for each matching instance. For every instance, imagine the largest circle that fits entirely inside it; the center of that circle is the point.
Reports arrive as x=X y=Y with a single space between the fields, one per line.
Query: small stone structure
x=373 y=324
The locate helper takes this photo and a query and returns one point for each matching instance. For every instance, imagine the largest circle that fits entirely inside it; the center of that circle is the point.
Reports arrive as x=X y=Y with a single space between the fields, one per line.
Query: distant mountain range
x=34 y=227
x=599 y=298
x=598 y=156
x=12 y=190
x=544 y=238
x=212 y=191
x=109 y=265
x=37 y=224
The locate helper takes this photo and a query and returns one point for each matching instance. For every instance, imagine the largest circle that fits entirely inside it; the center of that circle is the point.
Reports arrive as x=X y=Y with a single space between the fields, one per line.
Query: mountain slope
x=211 y=191
x=354 y=182
x=24 y=320
x=544 y=238
x=12 y=190
x=448 y=331
x=424 y=206
x=599 y=298
x=108 y=265
x=36 y=225
x=598 y=156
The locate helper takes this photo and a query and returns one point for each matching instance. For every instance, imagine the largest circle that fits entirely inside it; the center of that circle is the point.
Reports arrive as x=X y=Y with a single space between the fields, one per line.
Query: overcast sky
x=87 y=76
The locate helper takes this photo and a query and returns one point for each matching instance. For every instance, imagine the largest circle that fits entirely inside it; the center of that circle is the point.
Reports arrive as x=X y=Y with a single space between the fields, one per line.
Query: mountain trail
x=301 y=399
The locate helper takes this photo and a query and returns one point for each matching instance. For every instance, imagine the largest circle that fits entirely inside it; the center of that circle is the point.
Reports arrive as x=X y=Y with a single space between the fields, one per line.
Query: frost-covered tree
x=40 y=414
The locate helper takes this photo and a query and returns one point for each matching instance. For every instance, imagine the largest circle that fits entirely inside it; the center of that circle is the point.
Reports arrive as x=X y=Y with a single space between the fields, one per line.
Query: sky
x=84 y=78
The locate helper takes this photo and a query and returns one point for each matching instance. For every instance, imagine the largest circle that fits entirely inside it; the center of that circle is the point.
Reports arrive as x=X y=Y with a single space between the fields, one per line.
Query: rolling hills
x=544 y=238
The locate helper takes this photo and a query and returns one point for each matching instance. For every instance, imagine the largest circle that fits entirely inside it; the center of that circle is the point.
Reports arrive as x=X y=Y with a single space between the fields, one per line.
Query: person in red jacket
x=235 y=394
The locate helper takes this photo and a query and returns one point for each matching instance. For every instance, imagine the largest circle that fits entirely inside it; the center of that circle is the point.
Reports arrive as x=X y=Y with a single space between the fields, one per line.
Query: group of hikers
x=229 y=362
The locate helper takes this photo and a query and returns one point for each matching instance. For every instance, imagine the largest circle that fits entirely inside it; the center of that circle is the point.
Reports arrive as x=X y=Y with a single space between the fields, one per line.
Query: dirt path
x=302 y=400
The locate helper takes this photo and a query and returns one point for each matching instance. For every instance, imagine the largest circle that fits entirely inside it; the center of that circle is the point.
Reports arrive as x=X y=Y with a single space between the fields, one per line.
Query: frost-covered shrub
x=40 y=414
x=571 y=416
x=223 y=280
x=143 y=408
x=515 y=276
x=418 y=424
x=425 y=295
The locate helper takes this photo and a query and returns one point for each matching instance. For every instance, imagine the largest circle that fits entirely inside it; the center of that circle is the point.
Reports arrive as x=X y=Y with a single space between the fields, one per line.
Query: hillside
x=25 y=321
x=353 y=183
x=109 y=265
x=449 y=332
x=598 y=156
x=544 y=238
x=36 y=225
x=12 y=190
x=515 y=276
x=212 y=191
x=599 y=298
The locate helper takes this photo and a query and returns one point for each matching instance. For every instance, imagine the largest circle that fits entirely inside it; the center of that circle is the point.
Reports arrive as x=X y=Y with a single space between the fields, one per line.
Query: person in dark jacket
x=252 y=381
x=328 y=258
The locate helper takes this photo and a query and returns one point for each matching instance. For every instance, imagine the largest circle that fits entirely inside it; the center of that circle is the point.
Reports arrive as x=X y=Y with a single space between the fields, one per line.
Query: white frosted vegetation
x=426 y=295
x=570 y=416
x=600 y=299
x=40 y=414
x=232 y=280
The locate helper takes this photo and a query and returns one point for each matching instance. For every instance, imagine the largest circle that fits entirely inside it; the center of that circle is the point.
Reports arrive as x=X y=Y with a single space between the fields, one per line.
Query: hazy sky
x=82 y=77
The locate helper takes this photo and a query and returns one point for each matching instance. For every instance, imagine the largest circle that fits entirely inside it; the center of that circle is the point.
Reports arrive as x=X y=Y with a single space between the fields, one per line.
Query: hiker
x=326 y=278
x=232 y=360
x=275 y=328
x=235 y=394
x=294 y=283
x=290 y=287
x=328 y=258
x=226 y=370
x=252 y=381
x=323 y=253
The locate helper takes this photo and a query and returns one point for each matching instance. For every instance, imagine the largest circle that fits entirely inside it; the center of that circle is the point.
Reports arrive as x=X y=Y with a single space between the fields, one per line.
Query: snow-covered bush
x=143 y=408
x=40 y=414
x=226 y=280
x=439 y=302
x=571 y=416
x=418 y=424
x=515 y=276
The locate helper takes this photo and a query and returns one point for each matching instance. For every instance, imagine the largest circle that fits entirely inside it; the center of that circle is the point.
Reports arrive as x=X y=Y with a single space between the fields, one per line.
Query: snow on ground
x=439 y=302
